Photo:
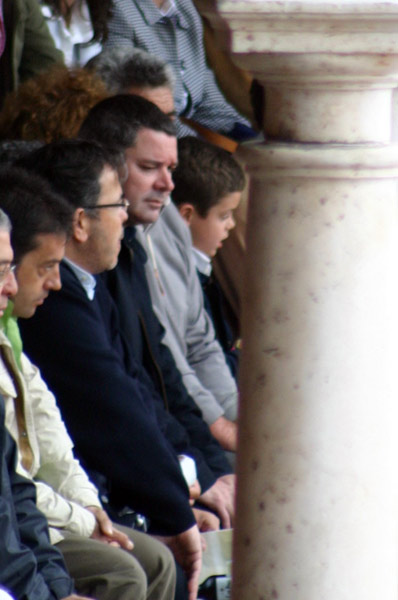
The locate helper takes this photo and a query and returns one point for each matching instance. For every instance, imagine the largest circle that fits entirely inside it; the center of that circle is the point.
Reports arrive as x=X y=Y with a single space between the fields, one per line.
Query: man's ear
x=186 y=210
x=80 y=225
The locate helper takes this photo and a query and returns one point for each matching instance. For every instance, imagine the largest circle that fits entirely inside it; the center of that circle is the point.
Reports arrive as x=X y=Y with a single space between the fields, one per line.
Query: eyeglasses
x=123 y=204
x=5 y=271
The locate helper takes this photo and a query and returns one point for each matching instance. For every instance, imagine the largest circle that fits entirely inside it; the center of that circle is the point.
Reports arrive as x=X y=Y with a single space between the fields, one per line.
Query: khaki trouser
x=104 y=572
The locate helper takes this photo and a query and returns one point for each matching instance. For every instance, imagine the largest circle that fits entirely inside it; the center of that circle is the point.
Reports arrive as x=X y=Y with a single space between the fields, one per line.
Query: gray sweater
x=178 y=302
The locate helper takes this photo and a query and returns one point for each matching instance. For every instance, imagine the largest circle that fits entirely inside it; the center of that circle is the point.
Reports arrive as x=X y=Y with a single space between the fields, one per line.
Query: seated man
x=146 y=135
x=135 y=126
x=179 y=417
x=41 y=221
x=208 y=188
x=30 y=567
x=104 y=396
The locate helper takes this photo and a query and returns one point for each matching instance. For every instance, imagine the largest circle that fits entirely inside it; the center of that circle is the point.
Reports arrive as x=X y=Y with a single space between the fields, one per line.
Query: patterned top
x=175 y=34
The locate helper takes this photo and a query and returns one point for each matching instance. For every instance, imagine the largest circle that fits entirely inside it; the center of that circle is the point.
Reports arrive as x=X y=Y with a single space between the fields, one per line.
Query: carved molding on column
x=340 y=58
x=319 y=395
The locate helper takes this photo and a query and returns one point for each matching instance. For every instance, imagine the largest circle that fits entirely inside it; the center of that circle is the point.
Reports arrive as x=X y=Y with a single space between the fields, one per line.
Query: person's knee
x=157 y=563
x=133 y=585
x=129 y=582
x=159 y=566
x=122 y=578
x=162 y=580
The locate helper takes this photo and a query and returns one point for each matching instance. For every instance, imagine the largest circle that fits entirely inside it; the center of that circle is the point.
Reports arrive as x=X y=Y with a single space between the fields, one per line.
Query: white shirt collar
x=86 y=279
x=75 y=41
x=202 y=261
x=168 y=8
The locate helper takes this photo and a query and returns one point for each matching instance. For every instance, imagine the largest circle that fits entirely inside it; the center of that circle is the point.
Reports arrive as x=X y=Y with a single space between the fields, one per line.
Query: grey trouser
x=104 y=572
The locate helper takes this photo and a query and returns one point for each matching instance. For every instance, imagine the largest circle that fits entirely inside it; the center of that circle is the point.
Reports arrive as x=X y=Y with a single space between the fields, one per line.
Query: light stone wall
x=317 y=460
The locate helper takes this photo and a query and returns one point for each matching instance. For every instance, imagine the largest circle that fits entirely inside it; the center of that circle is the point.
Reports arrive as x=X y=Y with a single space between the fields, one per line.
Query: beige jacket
x=45 y=448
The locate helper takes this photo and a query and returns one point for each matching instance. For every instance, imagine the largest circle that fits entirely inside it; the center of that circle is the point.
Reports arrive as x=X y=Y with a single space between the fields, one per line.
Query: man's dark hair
x=204 y=175
x=116 y=121
x=73 y=168
x=33 y=208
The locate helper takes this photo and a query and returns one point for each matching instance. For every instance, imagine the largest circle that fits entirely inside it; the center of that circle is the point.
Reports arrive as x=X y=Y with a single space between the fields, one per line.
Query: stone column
x=318 y=456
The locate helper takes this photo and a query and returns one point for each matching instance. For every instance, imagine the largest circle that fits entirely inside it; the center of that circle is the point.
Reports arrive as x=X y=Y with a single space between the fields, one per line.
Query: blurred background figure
x=134 y=71
x=28 y=47
x=78 y=27
x=174 y=32
x=51 y=106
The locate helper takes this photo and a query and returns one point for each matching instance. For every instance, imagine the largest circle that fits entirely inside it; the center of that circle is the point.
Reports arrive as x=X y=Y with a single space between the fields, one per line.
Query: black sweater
x=106 y=403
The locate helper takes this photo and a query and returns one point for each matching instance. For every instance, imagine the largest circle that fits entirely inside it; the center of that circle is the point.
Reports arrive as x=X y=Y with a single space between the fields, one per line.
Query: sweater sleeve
x=189 y=334
x=207 y=452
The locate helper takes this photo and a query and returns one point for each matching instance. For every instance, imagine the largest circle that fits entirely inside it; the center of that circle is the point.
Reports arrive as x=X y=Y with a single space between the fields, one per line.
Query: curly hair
x=122 y=68
x=51 y=106
x=100 y=13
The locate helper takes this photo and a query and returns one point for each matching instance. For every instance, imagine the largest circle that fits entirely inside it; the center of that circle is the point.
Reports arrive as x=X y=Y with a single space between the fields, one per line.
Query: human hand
x=105 y=532
x=230 y=481
x=194 y=492
x=187 y=550
x=221 y=499
x=226 y=433
x=205 y=520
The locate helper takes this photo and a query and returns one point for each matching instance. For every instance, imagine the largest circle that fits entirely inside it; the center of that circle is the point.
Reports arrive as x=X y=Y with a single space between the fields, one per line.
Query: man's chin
x=151 y=215
x=111 y=265
x=23 y=312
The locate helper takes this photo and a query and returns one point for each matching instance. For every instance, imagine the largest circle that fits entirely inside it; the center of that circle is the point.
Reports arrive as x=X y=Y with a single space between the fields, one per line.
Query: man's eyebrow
x=150 y=161
x=50 y=261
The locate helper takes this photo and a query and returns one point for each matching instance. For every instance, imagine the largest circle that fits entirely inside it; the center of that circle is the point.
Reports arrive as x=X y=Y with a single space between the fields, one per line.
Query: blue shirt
x=87 y=280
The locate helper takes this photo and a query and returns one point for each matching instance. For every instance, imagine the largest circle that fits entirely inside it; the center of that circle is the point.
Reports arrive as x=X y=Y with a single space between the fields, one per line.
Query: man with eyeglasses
x=107 y=400
x=104 y=561
x=129 y=123
x=148 y=141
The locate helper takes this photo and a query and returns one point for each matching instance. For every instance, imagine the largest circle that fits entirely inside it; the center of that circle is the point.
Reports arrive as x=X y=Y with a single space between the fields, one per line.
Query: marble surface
x=317 y=474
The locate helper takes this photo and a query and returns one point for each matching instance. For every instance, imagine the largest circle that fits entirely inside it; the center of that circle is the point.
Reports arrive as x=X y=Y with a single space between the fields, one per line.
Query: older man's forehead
x=162 y=96
x=6 y=253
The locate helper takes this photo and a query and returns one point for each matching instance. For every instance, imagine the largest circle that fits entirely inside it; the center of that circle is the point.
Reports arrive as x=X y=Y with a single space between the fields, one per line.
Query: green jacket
x=29 y=45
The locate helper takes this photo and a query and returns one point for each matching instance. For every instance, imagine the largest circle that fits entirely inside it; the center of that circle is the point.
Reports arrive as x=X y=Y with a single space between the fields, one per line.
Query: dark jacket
x=143 y=333
x=30 y=567
x=105 y=403
x=214 y=302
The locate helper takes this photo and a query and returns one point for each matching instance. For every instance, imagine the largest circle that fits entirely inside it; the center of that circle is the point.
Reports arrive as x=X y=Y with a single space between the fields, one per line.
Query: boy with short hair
x=208 y=188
